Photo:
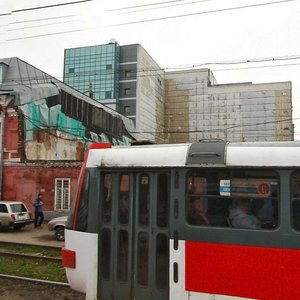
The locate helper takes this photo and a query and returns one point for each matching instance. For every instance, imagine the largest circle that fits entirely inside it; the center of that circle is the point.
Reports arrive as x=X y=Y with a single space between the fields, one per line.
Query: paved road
x=31 y=235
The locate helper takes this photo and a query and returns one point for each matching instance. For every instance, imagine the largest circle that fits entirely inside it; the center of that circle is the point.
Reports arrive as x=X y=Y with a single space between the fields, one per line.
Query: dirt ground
x=11 y=289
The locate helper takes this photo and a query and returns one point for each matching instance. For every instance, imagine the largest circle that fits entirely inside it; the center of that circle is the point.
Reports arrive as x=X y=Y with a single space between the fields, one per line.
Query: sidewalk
x=31 y=235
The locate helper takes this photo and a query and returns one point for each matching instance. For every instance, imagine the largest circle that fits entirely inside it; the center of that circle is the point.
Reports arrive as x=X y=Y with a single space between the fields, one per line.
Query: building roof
x=30 y=84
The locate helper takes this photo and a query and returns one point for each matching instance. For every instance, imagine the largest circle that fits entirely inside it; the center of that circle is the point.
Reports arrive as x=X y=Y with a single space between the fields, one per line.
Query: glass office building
x=94 y=70
x=123 y=78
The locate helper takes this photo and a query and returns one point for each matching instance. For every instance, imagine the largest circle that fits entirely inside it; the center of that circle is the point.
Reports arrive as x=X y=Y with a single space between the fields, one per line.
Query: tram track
x=22 y=288
x=4 y=244
x=29 y=256
x=34 y=280
x=32 y=262
x=29 y=250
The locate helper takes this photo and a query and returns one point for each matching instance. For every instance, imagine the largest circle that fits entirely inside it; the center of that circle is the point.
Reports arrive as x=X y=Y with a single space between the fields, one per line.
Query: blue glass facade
x=94 y=70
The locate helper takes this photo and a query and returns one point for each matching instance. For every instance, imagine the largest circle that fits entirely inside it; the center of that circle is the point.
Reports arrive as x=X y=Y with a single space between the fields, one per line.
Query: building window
x=62 y=193
x=127 y=109
x=127 y=91
x=108 y=94
x=109 y=67
x=71 y=70
x=127 y=74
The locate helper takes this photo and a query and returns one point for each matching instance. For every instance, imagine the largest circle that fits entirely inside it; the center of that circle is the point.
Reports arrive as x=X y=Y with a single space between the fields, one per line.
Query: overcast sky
x=178 y=33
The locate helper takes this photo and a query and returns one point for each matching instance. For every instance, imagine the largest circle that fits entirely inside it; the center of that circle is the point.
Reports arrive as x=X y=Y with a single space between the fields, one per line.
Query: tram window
x=162 y=261
x=106 y=198
x=105 y=253
x=124 y=199
x=123 y=255
x=82 y=216
x=296 y=200
x=144 y=198
x=143 y=258
x=162 y=215
x=237 y=198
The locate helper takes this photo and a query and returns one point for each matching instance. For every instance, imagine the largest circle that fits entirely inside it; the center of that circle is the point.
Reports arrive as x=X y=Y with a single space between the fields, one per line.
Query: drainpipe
x=2 y=128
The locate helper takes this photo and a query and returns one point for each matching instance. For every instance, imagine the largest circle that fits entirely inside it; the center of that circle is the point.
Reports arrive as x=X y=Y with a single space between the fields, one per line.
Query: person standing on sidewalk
x=38 y=213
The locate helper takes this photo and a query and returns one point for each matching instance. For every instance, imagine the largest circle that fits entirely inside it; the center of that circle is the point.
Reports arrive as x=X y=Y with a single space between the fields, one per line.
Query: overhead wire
x=170 y=1
x=160 y=7
x=202 y=13
x=46 y=34
x=43 y=19
x=197 y=91
x=153 y=71
x=39 y=26
x=215 y=130
x=46 y=127
x=230 y=108
x=42 y=25
x=138 y=74
x=49 y=6
x=146 y=5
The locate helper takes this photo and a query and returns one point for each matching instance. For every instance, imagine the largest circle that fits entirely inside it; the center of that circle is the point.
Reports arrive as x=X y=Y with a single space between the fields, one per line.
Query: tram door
x=134 y=236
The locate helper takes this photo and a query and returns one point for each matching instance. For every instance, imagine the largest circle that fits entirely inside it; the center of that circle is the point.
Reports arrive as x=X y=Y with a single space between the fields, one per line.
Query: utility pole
x=91 y=94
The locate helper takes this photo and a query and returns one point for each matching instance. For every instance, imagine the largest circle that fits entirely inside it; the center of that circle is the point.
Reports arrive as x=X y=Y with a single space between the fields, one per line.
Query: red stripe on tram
x=243 y=271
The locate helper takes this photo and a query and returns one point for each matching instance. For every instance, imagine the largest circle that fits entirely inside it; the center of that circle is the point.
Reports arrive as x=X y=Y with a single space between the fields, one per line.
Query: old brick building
x=45 y=129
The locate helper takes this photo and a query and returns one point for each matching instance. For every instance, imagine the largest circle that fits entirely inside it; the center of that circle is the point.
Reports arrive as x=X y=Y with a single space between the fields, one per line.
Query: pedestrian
x=38 y=212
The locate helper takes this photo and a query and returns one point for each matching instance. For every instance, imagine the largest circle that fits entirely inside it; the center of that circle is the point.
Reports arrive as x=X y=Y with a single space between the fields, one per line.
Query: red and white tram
x=205 y=220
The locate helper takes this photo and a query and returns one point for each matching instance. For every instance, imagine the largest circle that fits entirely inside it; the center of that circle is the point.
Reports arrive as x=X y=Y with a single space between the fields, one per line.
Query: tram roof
x=212 y=153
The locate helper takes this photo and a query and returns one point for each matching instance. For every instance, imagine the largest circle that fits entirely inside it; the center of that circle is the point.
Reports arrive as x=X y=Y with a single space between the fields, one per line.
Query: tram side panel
x=221 y=261
x=80 y=254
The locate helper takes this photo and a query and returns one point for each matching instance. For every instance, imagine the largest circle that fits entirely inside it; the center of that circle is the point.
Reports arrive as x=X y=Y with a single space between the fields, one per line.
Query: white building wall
x=231 y=112
x=253 y=112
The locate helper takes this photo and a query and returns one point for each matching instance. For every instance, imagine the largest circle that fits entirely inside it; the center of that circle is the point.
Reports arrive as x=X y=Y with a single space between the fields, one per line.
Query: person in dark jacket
x=38 y=212
x=196 y=215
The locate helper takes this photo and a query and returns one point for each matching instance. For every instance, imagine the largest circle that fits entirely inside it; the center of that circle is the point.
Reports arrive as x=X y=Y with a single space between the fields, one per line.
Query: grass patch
x=29 y=249
x=37 y=268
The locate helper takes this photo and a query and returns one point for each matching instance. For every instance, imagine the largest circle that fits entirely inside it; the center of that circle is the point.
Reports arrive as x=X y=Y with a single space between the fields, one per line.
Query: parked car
x=58 y=225
x=14 y=214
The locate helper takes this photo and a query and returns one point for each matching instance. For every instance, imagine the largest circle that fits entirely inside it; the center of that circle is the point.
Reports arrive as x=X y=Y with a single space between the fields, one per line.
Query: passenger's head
x=244 y=204
x=197 y=205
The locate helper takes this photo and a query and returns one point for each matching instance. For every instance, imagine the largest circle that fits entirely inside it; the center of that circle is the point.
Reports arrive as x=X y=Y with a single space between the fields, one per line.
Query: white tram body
x=81 y=252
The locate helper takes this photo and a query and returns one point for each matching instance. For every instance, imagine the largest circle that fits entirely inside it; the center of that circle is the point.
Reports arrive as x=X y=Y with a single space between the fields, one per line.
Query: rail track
x=31 y=261
x=28 y=256
x=21 y=288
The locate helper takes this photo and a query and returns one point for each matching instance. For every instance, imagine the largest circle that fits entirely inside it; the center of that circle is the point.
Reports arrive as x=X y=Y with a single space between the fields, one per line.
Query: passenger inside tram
x=196 y=214
x=265 y=212
x=124 y=208
x=240 y=215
